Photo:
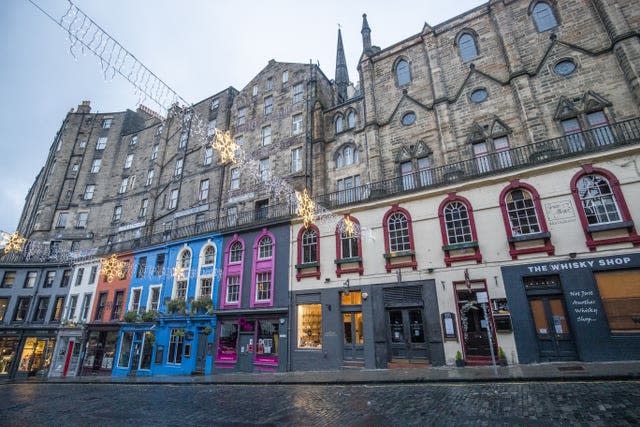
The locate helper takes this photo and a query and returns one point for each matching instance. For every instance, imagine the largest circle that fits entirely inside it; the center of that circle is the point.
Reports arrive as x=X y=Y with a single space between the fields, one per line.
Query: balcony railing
x=256 y=217
x=594 y=140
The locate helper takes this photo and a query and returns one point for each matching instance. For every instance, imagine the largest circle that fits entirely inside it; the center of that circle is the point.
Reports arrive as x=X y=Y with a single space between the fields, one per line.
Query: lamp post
x=483 y=299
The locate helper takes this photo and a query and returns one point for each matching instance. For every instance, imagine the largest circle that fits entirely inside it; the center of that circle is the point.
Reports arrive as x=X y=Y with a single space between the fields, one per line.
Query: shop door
x=353 y=335
x=406 y=334
x=135 y=353
x=67 y=360
x=201 y=353
x=245 y=359
x=473 y=325
x=555 y=341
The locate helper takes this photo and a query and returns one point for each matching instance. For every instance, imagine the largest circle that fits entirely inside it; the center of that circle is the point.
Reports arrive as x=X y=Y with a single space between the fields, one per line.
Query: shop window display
x=228 y=342
x=8 y=347
x=267 y=348
x=620 y=293
x=310 y=326
x=36 y=356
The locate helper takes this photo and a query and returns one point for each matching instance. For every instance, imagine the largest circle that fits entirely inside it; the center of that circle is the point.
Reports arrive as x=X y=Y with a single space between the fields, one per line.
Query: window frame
x=232 y=268
x=89 y=190
x=262 y=266
x=517 y=248
x=296 y=159
x=352 y=264
x=309 y=268
x=536 y=18
x=450 y=255
x=591 y=230
x=399 y=78
x=467 y=48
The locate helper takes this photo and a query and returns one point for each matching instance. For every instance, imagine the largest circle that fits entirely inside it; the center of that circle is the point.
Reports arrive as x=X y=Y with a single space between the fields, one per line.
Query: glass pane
x=125 y=350
x=539 y=318
x=351 y=298
x=310 y=326
x=267 y=338
x=145 y=357
x=397 y=326
x=560 y=325
x=346 y=321
x=359 y=330
x=416 y=326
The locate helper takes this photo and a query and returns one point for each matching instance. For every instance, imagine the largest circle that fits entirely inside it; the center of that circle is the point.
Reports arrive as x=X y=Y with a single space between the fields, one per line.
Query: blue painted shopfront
x=576 y=309
x=173 y=291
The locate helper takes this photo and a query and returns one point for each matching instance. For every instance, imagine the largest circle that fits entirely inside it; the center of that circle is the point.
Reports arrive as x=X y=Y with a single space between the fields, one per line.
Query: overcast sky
x=198 y=47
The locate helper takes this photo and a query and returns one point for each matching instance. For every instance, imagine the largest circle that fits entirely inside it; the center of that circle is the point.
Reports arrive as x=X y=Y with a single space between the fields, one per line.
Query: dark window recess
x=405 y=296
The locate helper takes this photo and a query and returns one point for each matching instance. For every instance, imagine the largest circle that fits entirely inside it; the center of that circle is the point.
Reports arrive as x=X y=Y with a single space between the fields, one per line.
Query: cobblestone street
x=584 y=403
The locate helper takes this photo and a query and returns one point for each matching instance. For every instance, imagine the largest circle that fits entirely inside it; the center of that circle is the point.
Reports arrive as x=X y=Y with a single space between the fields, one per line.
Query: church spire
x=366 y=33
x=342 y=73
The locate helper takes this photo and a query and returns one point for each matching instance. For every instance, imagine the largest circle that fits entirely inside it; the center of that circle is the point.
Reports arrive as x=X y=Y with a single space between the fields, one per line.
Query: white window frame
x=298 y=93
x=117 y=213
x=208 y=155
x=203 y=194
x=88 y=192
x=95 y=166
x=178 y=170
x=144 y=205
x=296 y=159
x=264 y=169
x=82 y=219
x=131 y=300
x=234 y=176
x=128 y=161
x=102 y=143
x=266 y=135
x=296 y=124
x=150 y=174
x=150 y=296
x=173 y=199
x=123 y=185
x=154 y=151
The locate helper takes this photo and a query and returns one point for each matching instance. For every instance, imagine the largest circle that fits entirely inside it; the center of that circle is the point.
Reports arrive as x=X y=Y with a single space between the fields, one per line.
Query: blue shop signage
x=563 y=310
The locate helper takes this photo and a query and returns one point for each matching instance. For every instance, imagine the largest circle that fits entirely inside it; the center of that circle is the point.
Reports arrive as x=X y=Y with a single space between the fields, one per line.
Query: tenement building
x=475 y=192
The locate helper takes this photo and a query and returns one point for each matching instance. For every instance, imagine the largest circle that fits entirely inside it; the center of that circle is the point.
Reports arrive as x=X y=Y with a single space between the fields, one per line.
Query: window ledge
x=307 y=265
x=400 y=254
x=532 y=236
x=348 y=260
x=613 y=226
x=457 y=246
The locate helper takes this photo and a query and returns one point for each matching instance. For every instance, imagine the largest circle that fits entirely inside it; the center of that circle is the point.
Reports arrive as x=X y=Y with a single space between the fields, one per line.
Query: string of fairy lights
x=85 y=35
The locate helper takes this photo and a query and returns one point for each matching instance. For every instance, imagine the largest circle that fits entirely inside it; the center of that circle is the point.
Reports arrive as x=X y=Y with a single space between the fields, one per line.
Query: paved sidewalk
x=566 y=371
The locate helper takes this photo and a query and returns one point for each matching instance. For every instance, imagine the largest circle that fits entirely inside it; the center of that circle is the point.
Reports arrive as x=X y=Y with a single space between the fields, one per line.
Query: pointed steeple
x=342 y=73
x=366 y=33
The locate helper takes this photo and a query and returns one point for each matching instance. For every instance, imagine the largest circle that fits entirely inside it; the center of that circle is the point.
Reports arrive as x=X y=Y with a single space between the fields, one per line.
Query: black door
x=245 y=358
x=555 y=341
x=473 y=324
x=406 y=334
x=353 y=335
x=201 y=353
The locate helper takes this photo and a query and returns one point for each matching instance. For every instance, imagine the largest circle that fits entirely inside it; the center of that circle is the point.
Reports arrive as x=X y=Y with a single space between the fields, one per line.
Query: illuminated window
x=309 y=326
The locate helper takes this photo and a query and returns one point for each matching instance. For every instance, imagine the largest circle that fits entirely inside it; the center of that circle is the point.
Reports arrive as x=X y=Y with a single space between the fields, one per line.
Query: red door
x=68 y=359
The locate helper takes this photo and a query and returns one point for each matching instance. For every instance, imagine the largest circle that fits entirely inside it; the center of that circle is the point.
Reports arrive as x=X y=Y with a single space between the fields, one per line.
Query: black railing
x=594 y=140
x=262 y=215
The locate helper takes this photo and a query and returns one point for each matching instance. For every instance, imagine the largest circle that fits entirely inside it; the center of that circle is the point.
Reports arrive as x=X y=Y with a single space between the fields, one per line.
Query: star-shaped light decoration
x=349 y=227
x=306 y=207
x=224 y=144
x=178 y=272
x=13 y=242
x=112 y=267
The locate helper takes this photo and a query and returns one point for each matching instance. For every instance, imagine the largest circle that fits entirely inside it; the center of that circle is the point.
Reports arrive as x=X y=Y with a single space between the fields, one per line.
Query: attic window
x=565 y=67
x=479 y=95
x=409 y=118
